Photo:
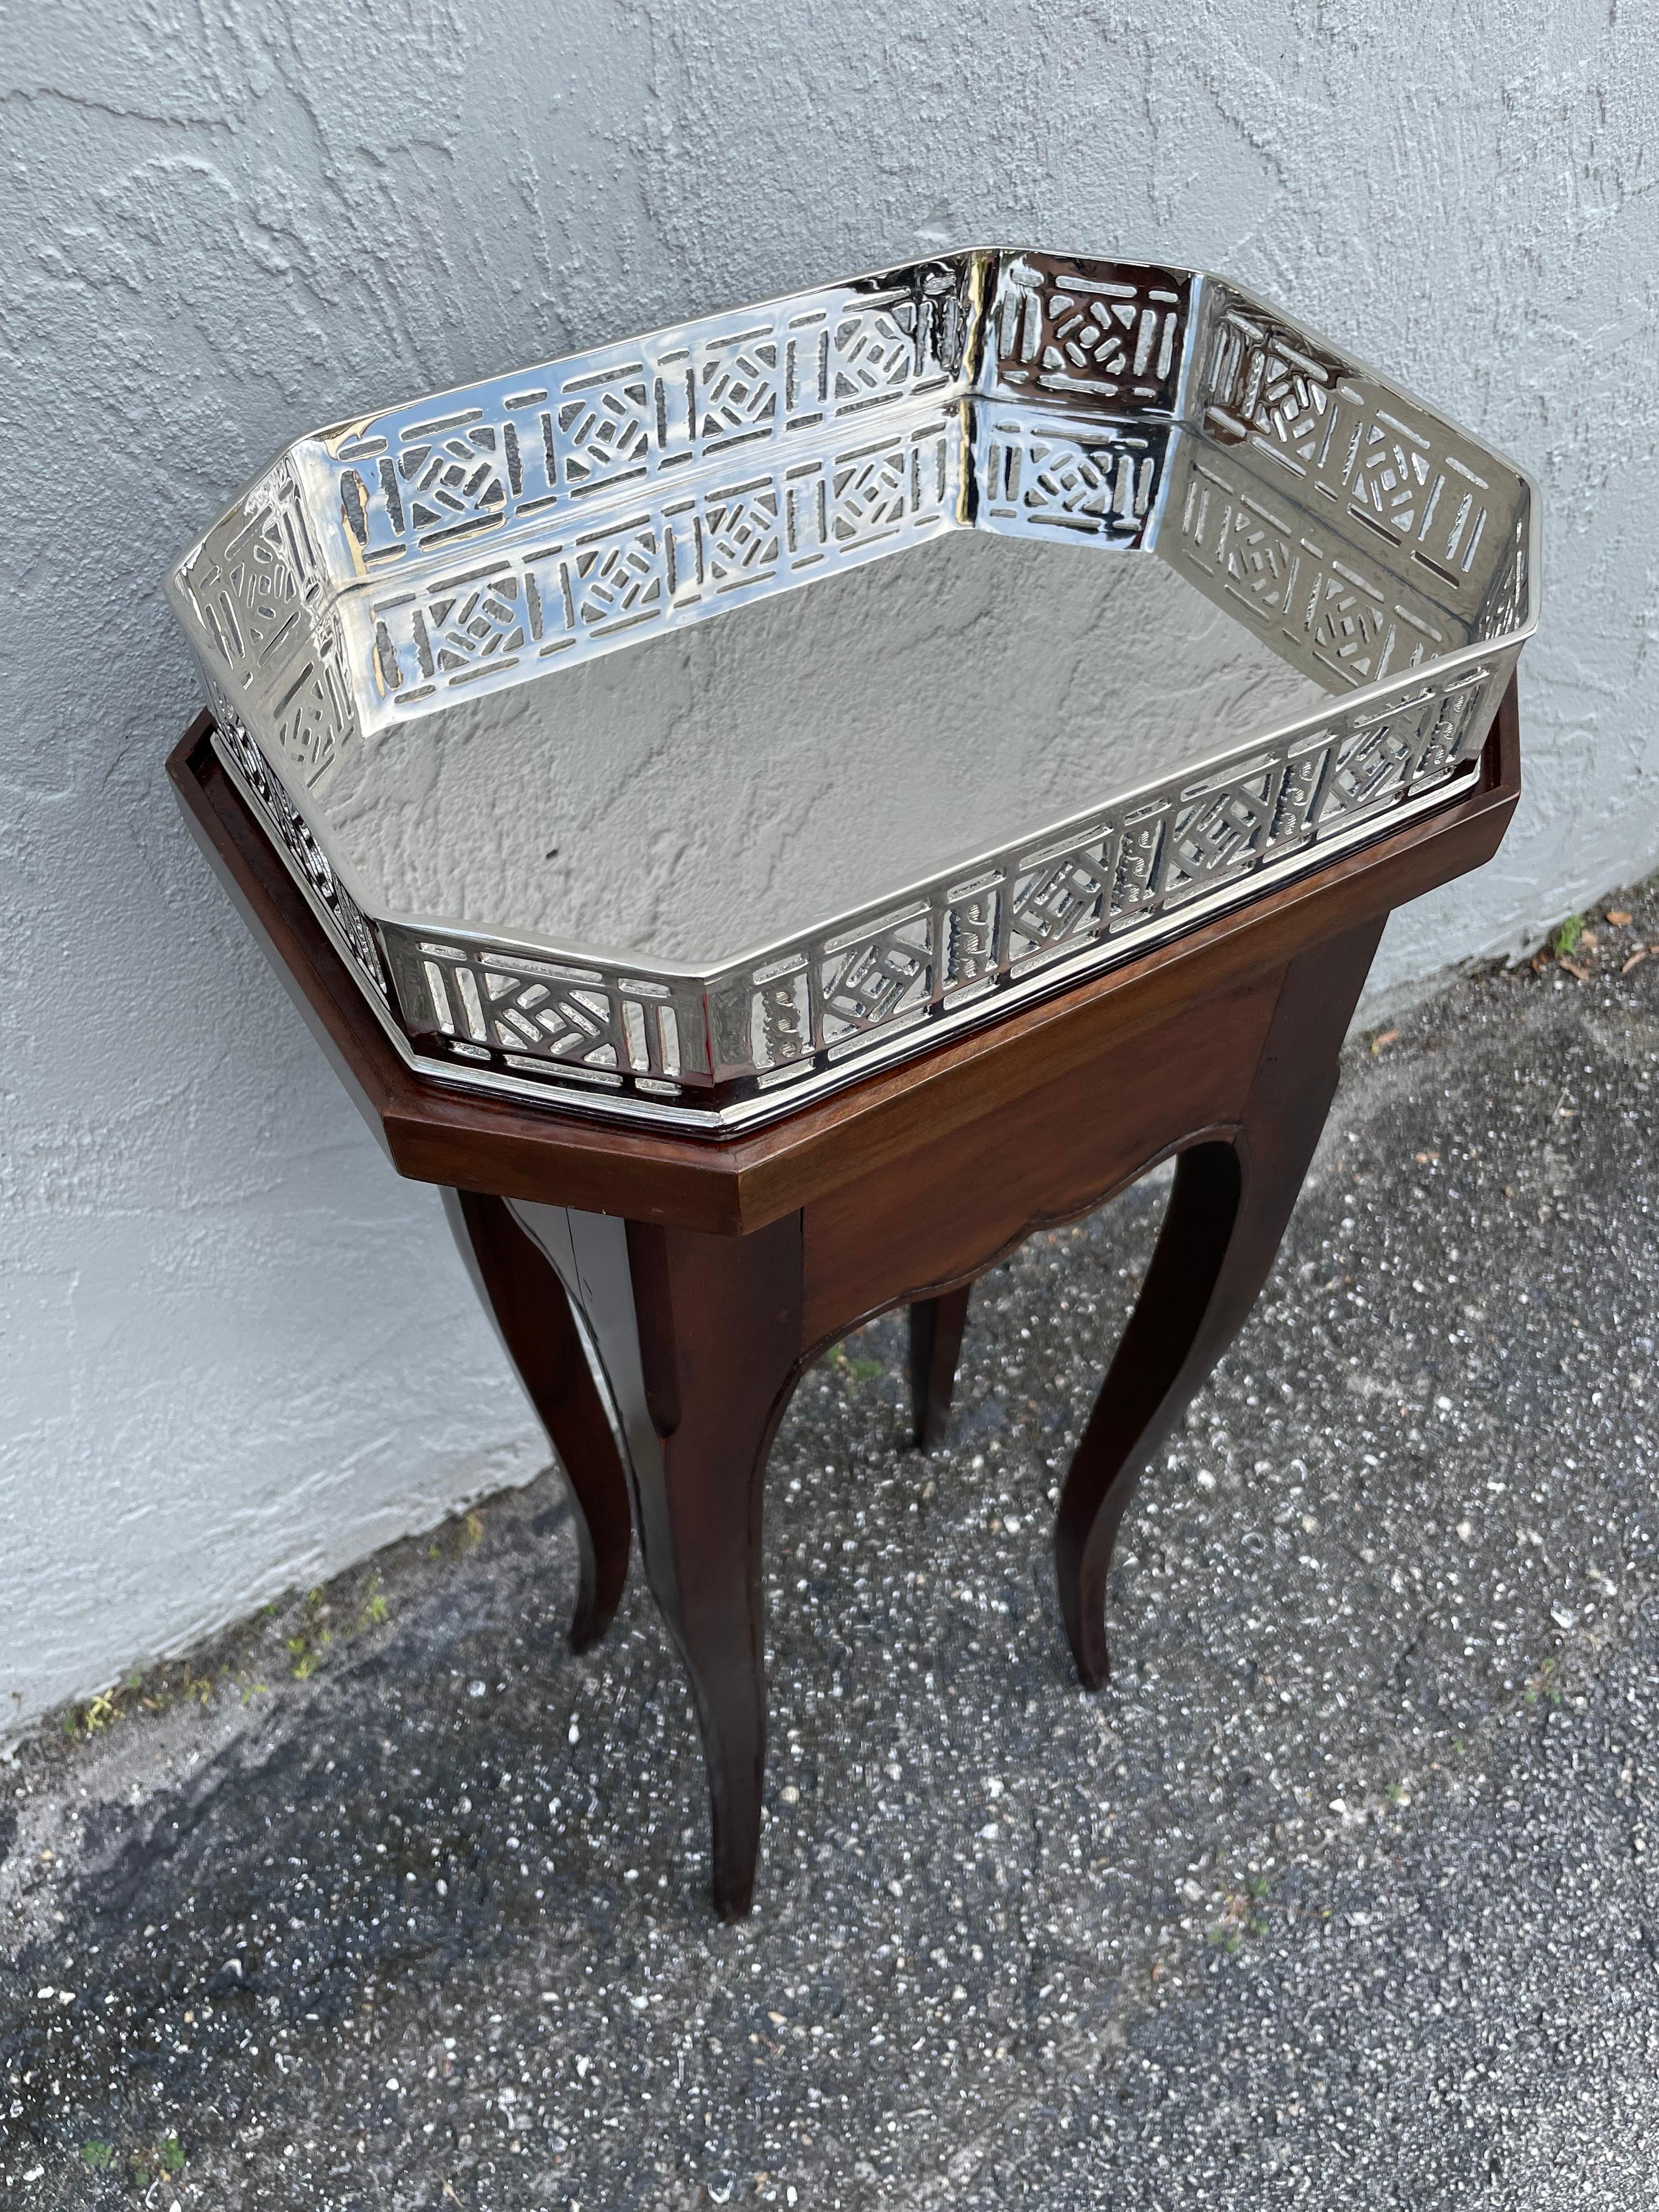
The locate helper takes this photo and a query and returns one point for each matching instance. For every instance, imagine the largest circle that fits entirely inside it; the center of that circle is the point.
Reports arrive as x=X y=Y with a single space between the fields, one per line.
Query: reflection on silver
x=388 y=581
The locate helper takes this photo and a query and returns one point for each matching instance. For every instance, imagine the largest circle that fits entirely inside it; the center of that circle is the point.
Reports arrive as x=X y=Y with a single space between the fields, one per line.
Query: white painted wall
x=237 y=1352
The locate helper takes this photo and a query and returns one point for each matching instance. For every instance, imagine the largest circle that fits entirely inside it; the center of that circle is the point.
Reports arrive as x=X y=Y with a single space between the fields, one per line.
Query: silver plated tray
x=701 y=881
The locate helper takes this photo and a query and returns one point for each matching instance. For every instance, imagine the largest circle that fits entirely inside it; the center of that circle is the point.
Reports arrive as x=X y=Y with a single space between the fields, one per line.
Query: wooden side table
x=744 y=1259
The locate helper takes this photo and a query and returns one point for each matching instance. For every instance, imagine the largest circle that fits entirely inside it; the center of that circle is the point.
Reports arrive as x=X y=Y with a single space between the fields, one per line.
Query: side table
x=660 y=1294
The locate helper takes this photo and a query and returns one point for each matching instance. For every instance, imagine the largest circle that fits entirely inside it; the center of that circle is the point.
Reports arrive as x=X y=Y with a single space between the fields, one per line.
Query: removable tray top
x=581 y=841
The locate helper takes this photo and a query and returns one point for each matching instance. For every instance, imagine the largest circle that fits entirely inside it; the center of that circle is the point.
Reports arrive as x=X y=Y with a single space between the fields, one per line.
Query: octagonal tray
x=581 y=844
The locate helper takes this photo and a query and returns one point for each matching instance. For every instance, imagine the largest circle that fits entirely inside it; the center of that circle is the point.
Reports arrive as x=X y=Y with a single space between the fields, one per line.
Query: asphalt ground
x=1340 y=1893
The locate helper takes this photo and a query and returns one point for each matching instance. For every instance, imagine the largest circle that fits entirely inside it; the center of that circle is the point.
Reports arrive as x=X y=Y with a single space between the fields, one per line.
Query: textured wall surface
x=237 y=1351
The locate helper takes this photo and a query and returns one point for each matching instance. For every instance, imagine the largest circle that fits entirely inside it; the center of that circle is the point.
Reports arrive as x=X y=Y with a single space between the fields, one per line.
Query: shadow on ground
x=1340 y=1892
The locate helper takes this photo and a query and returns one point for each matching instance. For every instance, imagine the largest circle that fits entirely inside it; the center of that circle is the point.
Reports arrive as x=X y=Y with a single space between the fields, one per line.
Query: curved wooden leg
x=936 y=1327
x=532 y=1313
x=1226 y=1215
x=719 y=1321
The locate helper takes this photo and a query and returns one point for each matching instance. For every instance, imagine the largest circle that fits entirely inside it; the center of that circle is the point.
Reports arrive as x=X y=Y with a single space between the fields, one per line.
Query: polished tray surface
x=581 y=841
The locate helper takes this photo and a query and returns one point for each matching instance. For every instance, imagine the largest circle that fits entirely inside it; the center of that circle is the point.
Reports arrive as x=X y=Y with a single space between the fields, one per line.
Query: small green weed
x=313 y=1635
x=856 y=1370
x=163 y=1689
x=307 y=1647
x=371 y=1610
x=147 y=2166
x=1241 y=1916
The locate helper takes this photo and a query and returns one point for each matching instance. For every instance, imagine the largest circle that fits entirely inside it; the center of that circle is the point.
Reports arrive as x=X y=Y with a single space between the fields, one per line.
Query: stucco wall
x=237 y=1352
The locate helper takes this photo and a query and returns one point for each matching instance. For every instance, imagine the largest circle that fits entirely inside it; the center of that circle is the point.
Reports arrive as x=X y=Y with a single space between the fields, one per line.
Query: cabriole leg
x=1227 y=1212
x=532 y=1314
x=720 y=1323
x=936 y=1327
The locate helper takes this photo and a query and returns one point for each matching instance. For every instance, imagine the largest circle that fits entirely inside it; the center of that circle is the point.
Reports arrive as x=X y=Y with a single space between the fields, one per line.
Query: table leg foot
x=719 y=1321
x=1227 y=1212
x=532 y=1313
x=936 y=1327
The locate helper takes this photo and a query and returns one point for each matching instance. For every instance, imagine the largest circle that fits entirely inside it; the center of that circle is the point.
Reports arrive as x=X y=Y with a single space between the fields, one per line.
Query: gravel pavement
x=1341 y=1892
